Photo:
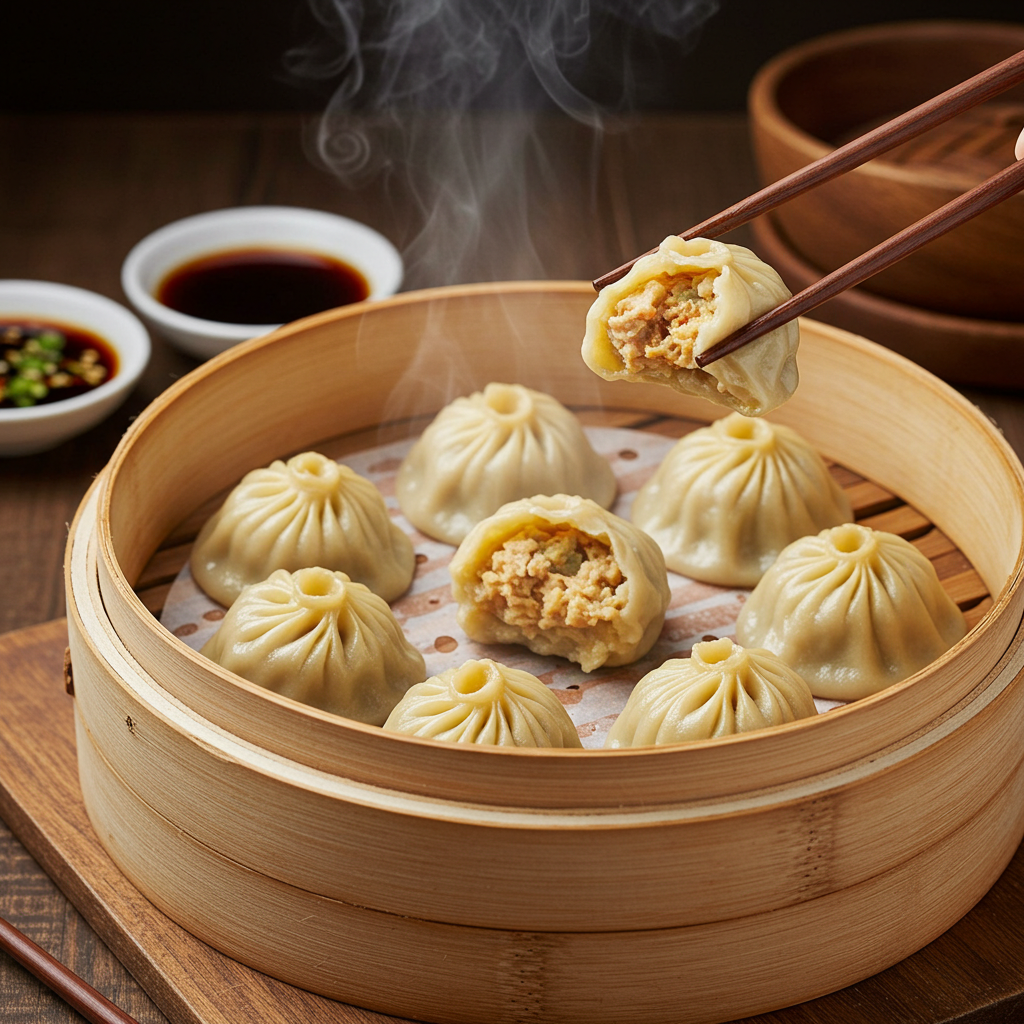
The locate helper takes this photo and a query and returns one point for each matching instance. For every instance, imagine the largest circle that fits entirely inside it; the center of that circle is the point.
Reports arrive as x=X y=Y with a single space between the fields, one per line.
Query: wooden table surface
x=76 y=192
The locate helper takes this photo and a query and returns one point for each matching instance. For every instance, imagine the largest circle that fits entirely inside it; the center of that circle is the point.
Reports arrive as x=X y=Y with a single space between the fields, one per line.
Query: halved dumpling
x=674 y=305
x=562 y=576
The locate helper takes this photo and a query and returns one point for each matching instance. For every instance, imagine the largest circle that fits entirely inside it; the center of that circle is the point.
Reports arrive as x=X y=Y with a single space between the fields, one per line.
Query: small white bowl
x=38 y=428
x=287 y=227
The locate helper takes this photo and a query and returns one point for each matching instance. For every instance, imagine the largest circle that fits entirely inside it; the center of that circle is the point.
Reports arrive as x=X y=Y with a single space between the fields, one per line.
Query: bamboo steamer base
x=429 y=970
x=446 y=972
x=192 y=983
x=699 y=883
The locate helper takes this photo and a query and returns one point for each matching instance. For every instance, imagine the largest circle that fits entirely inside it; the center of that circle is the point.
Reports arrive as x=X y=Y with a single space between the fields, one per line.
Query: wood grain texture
x=972 y=973
x=431 y=969
x=41 y=799
x=77 y=993
x=134 y=827
x=318 y=845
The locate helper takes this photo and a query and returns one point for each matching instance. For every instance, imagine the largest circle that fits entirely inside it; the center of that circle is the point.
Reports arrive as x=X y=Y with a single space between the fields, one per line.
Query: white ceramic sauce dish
x=266 y=227
x=37 y=428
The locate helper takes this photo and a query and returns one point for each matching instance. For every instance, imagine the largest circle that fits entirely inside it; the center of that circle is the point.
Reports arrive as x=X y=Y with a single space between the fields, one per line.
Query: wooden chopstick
x=72 y=989
x=989 y=193
x=984 y=86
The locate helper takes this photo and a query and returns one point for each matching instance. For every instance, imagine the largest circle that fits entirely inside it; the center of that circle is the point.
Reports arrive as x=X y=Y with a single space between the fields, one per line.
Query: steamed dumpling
x=674 y=305
x=484 y=702
x=721 y=689
x=562 y=576
x=321 y=639
x=308 y=511
x=729 y=497
x=495 y=446
x=852 y=610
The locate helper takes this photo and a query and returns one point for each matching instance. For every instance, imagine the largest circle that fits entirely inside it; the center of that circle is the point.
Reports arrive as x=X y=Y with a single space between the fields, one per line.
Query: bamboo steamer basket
x=810 y=99
x=690 y=883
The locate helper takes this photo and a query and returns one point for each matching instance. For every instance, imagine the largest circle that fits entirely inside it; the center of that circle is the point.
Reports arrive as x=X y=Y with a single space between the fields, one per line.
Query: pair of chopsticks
x=72 y=989
x=889 y=135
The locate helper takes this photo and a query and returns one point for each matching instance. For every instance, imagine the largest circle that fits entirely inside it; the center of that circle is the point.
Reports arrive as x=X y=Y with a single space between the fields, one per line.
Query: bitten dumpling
x=721 y=689
x=319 y=638
x=562 y=576
x=484 y=702
x=853 y=610
x=729 y=497
x=497 y=445
x=674 y=304
x=308 y=511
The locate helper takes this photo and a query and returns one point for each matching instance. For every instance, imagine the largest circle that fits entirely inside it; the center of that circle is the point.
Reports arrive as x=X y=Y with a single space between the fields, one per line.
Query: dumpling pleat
x=496 y=446
x=729 y=497
x=484 y=702
x=852 y=610
x=317 y=637
x=720 y=690
x=308 y=512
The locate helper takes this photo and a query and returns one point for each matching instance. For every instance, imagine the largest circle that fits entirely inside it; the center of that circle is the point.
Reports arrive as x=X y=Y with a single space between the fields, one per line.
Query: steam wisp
x=438 y=99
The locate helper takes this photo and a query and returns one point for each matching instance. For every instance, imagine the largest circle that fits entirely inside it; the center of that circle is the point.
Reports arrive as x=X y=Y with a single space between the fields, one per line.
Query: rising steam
x=437 y=99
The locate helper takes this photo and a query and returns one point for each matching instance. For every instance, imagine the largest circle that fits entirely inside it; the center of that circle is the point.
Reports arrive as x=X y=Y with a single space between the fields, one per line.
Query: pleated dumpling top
x=852 y=610
x=729 y=497
x=497 y=445
x=308 y=511
x=487 y=703
x=720 y=690
x=317 y=637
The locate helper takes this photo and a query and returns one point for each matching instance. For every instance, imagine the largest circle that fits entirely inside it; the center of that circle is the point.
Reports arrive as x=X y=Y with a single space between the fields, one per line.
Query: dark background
x=120 y=55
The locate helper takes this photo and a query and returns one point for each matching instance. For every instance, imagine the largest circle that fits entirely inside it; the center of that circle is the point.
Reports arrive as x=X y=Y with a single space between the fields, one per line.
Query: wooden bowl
x=828 y=91
x=691 y=883
x=960 y=349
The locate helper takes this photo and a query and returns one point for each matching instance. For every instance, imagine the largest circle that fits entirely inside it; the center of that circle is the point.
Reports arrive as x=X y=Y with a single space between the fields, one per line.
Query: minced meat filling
x=540 y=580
x=655 y=329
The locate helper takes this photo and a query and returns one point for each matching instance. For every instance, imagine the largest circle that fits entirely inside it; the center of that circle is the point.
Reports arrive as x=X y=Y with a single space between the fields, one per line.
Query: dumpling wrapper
x=729 y=497
x=563 y=576
x=319 y=638
x=305 y=512
x=677 y=302
x=487 y=703
x=852 y=610
x=492 y=447
x=720 y=690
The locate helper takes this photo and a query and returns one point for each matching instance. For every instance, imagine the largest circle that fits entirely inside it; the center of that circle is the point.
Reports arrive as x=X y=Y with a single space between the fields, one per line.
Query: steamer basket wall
x=549 y=874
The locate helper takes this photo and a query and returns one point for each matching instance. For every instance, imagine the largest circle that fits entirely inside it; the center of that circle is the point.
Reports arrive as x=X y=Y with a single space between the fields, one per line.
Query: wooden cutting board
x=974 y=973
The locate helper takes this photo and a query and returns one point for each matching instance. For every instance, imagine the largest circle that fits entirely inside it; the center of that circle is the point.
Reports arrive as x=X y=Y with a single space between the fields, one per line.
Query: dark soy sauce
x=46 y=362
x=261 y=286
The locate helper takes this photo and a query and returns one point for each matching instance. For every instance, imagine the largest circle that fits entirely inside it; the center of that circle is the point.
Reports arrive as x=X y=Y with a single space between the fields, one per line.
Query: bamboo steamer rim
x=1007 y=672
x=766 y=112
x=468 y=761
